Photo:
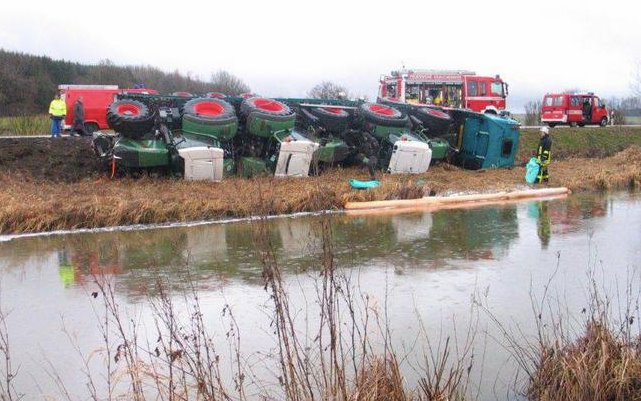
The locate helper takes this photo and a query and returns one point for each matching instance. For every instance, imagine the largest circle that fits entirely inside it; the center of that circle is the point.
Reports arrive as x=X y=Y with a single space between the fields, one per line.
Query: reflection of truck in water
x=448 y=88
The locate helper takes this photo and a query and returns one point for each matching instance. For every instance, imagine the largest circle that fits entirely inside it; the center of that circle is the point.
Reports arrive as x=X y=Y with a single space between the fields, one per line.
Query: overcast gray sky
x=284 y=48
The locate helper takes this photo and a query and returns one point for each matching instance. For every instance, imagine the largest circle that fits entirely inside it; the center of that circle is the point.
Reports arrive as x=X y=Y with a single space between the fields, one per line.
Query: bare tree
x=224 y=82
x=635 y=86
x=533 y=112
x=328 y=90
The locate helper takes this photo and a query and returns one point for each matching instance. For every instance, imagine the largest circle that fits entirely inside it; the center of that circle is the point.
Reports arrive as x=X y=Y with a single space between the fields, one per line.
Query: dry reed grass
x=380 y=379
x=598 y=366
x=33 y=205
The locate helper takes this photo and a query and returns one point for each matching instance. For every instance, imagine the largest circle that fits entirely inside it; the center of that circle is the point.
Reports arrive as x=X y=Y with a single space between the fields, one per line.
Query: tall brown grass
x=353 y=353
x=599 y=359
x=32 y=205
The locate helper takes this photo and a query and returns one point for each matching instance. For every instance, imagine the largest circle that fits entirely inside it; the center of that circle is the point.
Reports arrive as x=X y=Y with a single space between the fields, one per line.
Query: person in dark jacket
x=587 y=110
x=368 y=153
x=78 y=118
x=366 y=149
x=544 y=155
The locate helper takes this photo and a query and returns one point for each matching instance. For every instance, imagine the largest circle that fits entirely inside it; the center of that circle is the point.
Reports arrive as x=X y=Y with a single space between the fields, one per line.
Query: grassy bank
x=34 y=205
x=582 y=142
x=25 y=125
x=53 y=185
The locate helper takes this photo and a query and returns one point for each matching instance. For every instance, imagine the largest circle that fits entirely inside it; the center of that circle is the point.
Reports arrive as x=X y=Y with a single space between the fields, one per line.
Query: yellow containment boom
x=458 y=200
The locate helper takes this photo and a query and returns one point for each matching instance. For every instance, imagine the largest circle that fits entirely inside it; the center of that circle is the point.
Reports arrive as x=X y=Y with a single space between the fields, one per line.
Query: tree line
x=28 y=82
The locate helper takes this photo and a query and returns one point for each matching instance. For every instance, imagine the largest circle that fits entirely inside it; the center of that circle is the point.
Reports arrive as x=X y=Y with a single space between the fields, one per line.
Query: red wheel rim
x=334 y=110
x=269 y=105
x=128 y=109
x=210 y=109
x=382 y=110
x=436 y=113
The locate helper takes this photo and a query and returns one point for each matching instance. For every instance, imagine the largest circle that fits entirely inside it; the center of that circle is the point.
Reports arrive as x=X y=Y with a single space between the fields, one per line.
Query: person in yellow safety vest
x=57 y=113
x=544 y=155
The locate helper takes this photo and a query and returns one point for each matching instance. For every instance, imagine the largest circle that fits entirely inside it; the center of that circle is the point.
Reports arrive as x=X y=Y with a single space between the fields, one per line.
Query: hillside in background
x=28 y=83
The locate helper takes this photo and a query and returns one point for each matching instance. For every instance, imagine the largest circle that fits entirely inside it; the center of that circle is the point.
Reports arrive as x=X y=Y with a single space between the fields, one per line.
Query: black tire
x=603 y=122
x=380 y=114
x=102 y=146
x=551 y=125
x=90 y=128
x=436 y=121
x=209 y=111
x=130 y=118
x=332 y=119
x=267 y=109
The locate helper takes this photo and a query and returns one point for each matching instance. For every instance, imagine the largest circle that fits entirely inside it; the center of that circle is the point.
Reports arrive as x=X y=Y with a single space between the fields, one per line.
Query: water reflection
x=213 y=255
x=561 y=217
x=443 y=257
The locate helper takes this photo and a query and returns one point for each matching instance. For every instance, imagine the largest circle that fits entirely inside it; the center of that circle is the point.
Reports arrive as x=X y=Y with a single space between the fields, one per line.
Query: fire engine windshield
x=497 y=88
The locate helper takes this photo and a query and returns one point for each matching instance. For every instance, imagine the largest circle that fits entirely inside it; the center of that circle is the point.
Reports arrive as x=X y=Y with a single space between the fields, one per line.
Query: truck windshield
x=497 y=88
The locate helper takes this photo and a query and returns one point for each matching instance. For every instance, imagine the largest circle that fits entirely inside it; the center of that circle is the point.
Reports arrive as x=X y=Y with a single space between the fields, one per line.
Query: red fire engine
x=96 y=99
x=573 y=109
x=447 y=88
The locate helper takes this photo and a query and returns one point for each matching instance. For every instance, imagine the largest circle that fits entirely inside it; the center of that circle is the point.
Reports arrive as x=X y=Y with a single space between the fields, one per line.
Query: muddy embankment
x=59 y=184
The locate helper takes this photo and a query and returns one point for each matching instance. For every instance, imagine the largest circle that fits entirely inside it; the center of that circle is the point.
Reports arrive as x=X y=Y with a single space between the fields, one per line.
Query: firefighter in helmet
x=544 y=155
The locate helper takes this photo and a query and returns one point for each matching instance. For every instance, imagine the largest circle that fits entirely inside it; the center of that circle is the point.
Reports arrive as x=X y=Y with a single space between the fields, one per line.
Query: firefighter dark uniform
x=366 y=148
x=368 y=153
x=544 y=155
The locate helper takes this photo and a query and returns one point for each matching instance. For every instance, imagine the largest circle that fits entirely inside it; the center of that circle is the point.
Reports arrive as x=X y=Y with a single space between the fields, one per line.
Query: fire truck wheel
x=551 y=125
x=436 y=121
x=573 y=124
x=332 y=118
x=603 y=122
x=266 y=109
x=381 y=114
x=209 y=111
x=130 y=118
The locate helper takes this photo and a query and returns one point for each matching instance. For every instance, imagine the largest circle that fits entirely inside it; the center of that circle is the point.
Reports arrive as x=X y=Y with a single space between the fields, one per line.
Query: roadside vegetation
x=590 y=142
x=25 y=125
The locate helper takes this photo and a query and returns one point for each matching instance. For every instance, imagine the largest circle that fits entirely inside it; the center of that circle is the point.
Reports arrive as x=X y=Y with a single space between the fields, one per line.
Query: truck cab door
x=597 y=110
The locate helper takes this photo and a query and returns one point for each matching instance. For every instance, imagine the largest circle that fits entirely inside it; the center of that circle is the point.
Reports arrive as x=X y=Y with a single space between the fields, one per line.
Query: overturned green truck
x=214 y=137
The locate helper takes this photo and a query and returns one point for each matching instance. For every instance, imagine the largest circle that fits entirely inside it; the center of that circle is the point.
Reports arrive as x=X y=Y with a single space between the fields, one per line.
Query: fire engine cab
x=446 y=88
x=96 y=99
x=573 y=109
